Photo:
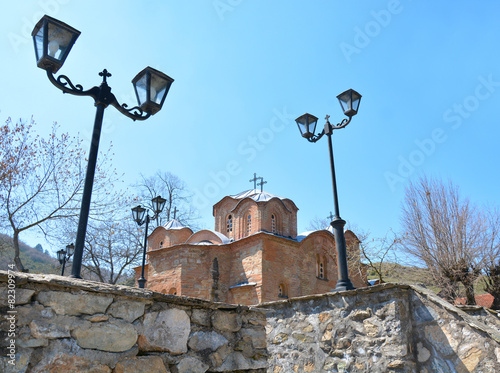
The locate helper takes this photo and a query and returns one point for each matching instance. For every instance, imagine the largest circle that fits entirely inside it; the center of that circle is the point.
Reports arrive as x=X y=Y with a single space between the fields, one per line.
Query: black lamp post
x=53 y=40
x=64 y=255
x=349 y=101
x=138 y=215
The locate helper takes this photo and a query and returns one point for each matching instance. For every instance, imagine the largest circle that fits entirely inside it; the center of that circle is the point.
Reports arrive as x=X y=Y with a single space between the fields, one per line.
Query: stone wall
x=63 y=325
x=386 y=328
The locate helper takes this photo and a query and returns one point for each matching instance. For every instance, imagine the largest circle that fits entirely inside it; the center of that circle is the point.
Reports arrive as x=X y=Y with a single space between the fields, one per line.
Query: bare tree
x=40 y=179
x=112 y=246
x=492 y=270
x=379 y=253
x=445 y=232
x=174 y=190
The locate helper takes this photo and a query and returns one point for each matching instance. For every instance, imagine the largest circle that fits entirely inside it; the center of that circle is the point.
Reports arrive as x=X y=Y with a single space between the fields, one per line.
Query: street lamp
x=53 y=40
x=349 y=101
x=64 y=255
x=140 y=217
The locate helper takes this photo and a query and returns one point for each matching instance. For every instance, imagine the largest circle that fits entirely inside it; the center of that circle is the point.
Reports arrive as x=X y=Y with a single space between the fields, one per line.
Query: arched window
x=321 y=267
x=173 y=291
x=160 y=245
x=273 y=224
x=282 y=291
x=249 y=223
x=229 y=224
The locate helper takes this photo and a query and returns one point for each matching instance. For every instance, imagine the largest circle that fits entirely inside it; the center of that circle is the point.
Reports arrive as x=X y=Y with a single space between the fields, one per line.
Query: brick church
x=253 y=255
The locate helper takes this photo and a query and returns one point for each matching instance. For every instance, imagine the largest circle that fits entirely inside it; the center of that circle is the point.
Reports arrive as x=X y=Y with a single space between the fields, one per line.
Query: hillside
x=33 y=260
x=394 y=272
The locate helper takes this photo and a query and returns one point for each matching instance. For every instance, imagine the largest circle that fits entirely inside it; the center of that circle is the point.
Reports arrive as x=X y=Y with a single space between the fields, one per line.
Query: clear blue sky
x=429 y=73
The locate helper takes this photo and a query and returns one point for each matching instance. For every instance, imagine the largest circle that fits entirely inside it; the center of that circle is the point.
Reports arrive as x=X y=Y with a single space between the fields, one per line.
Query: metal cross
x=175 y=211
x=255 y=178
x=105 y=74
x=330 y=216
x=262 y=182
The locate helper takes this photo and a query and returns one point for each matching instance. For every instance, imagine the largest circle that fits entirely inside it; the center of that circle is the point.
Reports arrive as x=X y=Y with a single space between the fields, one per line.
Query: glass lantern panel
x=158 y=204
x=39 y=44
x=345 y=101
x=138 y=213
x=59 y=39
x=141 y=89
x=158 y=88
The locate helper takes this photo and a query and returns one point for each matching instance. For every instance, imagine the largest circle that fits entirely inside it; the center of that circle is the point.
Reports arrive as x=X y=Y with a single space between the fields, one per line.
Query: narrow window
x=229 y=224
x=320 y=267
x=161 y=244
x=249 y=223
x=273 y=224
x=282 y=293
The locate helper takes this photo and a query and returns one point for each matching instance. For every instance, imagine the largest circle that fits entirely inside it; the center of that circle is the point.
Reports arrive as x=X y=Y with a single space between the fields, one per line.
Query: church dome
x=174 y=224
x=256 y=195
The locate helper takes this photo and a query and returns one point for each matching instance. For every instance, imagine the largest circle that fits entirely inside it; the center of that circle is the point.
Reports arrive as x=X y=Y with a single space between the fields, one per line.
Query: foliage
x=36 y=261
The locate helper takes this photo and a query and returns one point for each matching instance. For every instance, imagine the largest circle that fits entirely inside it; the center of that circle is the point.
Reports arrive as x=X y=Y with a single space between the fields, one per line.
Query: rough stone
x=127 y=310
x=230 y=322
x=237 y=361
x=74 y=304
x=22 y=296
x=200 y=317
x=257 y=337
x=166 y=330
x=361 y=314
x=206 y=340
x=396 y=364
x=70 y=364
x=191 y=365
x=110 y=337
x=42 y=329
x=423 y=354
x=146 y=364
x=59 y=347
x=98 y=318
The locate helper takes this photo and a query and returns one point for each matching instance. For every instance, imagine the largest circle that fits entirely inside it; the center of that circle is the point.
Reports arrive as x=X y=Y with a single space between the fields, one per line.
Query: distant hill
x=393 y=272
x=33 y=260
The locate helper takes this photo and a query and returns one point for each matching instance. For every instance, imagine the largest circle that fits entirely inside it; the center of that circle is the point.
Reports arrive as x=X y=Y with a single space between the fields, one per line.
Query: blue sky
x=429 y=73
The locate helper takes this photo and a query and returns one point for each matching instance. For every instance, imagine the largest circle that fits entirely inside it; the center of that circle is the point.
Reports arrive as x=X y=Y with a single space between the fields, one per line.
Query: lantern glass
x=151 y=88
x=349 y=101
x=53 y=40
x=307 y=125
x=138 y=214
x=70 y=249
x=158 y=204
x=61 y=255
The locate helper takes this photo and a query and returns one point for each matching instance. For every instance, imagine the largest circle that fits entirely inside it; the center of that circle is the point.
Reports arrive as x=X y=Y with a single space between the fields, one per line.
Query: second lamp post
x=349 y=101
x=64 y=255
x=140 y=217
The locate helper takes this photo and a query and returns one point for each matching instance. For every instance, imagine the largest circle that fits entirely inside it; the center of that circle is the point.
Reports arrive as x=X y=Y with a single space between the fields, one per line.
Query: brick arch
x=168 y=237
x=208 y=236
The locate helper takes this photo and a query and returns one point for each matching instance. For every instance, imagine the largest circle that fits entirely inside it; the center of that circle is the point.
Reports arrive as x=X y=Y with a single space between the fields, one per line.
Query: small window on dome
x=229 y=224
x=273 y=224
x=160 y=245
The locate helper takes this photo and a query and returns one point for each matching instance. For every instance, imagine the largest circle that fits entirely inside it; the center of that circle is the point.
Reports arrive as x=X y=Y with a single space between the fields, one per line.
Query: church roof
x=174 y=224
x=256 y=195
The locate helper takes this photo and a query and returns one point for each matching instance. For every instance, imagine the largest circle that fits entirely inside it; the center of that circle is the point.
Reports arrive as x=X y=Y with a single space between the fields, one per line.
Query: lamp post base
x=343 y=282
x=141 y=282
